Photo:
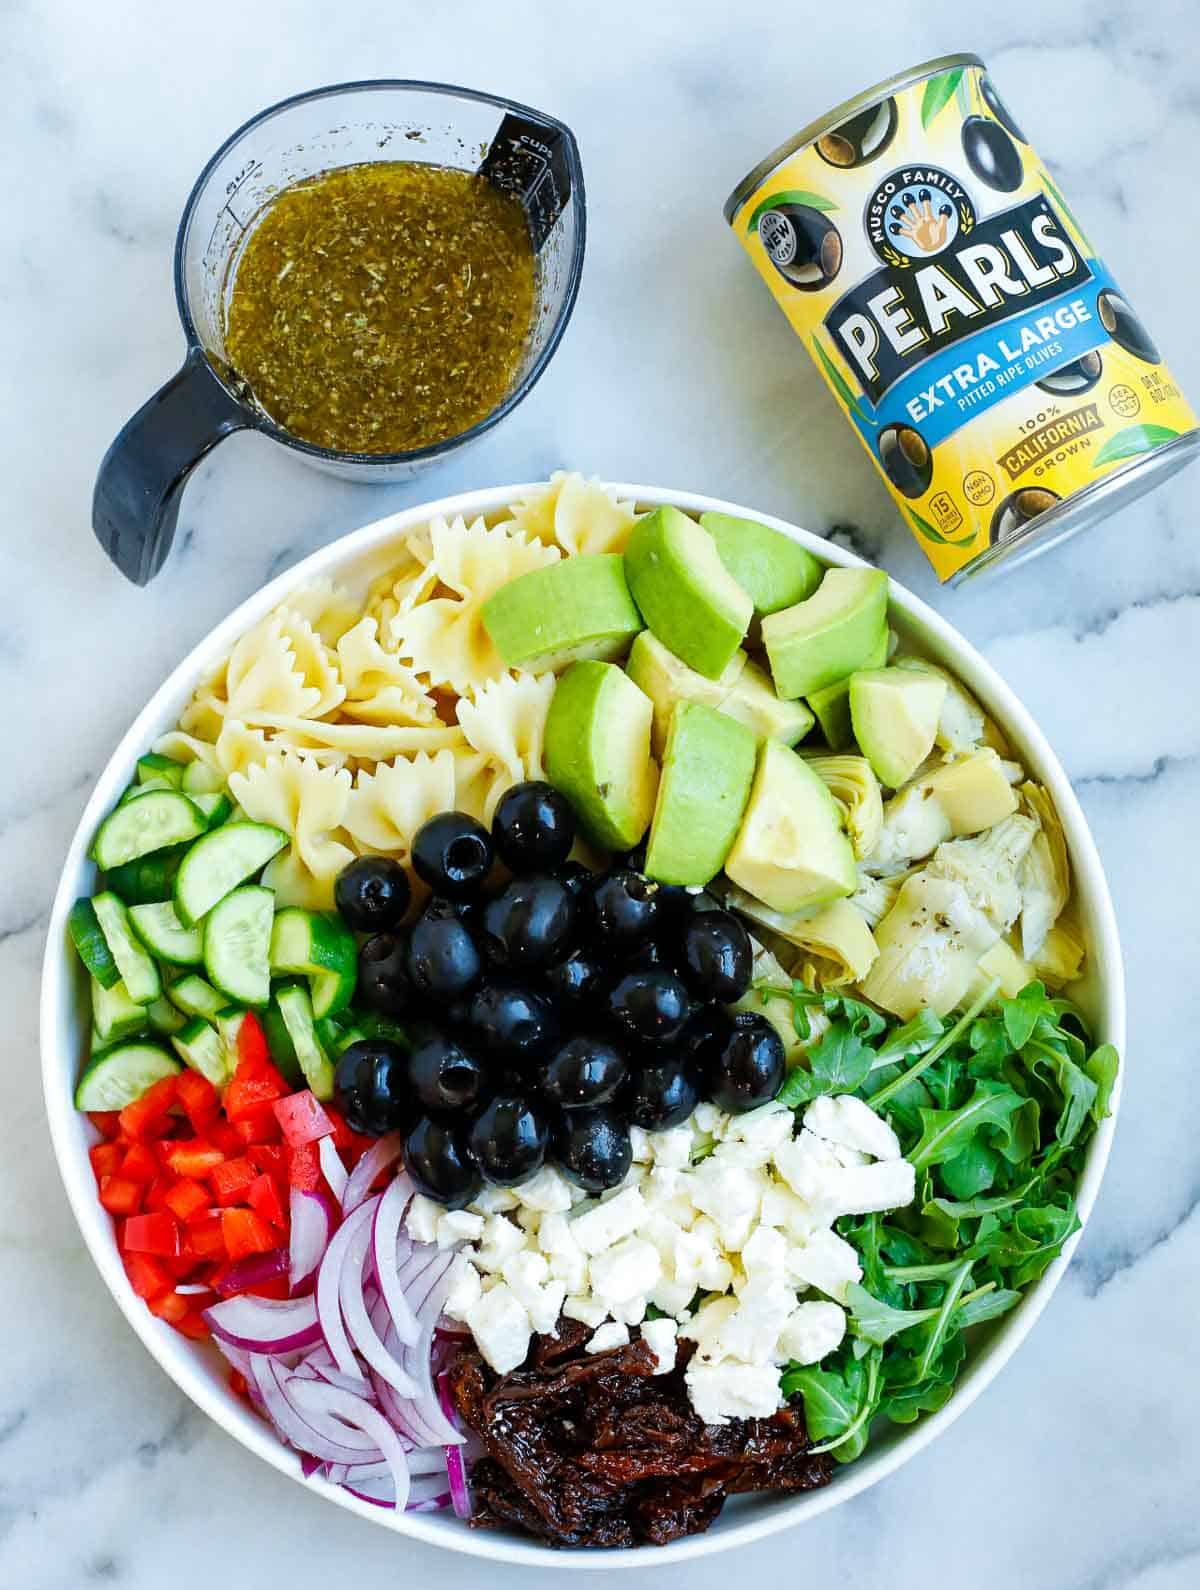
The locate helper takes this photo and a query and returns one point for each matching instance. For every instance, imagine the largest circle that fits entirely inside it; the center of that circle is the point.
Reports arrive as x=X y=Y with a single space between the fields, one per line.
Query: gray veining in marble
x=1079 y=1470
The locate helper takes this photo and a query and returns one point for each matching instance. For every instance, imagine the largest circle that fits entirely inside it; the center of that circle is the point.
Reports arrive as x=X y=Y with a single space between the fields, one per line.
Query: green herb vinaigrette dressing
x=383 y=307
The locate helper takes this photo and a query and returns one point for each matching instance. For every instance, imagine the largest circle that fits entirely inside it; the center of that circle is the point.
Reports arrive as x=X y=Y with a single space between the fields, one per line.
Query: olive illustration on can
x=860 y=138
x=1080 y=375
x=803 y=245
x=1019 y=509
x=991 y=154
x=987 y=92
x=907 y=461
x=1124 y=327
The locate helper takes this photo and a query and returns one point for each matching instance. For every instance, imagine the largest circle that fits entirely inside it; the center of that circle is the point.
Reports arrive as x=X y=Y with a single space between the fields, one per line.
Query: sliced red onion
x=257 y=1269
x=313 y=1219
x=329 y=1278
x=456 y=1468
x=309 y=1465
x=332 y=1168
x=422 y=1415
x=333 y=1442
x=384 y=1151
x=359 y=1415
x=361 y=1331
x=390 y=1248
x=265 y=1324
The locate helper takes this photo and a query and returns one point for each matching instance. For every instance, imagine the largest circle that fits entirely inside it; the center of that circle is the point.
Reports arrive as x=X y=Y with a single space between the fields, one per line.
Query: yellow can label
x=976 y=342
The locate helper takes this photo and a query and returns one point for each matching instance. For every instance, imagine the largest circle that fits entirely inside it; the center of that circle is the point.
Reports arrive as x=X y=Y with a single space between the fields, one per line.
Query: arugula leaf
x=987 y=1303
x=916 y=1037
x=1020 y=1015
x=947 y=1132
x=876 y=1321
x=972 y=1171
x=839 y=1403
x=1075 y=1088
x=1102 y=1068
x=839 y=1063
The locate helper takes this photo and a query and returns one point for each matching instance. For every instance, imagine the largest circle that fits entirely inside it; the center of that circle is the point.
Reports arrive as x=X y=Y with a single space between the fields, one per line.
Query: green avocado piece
x=771 y=568
x=685 y=593
x=667 y=680
x=791 y=852
x=753 y=701
x=577 y=608
x=895 y=717
x=828 y=636
x=597 y=752
x=832 y=705
x=706 y=776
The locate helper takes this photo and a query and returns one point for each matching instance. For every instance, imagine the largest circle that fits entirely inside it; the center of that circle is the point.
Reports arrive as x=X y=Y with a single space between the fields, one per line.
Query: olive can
x=992 y=367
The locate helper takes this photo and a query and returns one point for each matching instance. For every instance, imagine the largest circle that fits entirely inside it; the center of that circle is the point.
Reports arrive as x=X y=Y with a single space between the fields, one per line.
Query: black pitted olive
x=575 y=982
x=372 y=894
x=530 y=924
x=907 y=461
x=717 y=956
x=593 y=1148
x=383 y=981
x=574 y=877
x=661 y=1094
x=453 y=854
x=998 y=108
x=705 y=1034
x=1078 y=376
x=750 y=1068
x=861 y=137
x=509 y=1138
x=1124 y=327
x=442 y=1075
x=586 y=1070
x=625 y=909
x=1018 y=509
x=648 y=1006
x=511 y=1021
x=657 y=954
x=371 y=1086
x=443 y=962
x=803 y=245
x=991 y=154
x=534 y=827
x=439 y=1159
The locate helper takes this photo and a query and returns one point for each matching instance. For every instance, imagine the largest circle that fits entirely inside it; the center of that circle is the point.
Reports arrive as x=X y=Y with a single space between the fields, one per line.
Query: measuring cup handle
x=135 y=505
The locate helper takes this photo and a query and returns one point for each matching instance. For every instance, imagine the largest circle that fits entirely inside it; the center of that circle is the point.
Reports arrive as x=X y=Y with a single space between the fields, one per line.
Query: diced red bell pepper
x=246 y=1233
x=193 y=1325
x=304 y=1168
x=106 y=1122
x=343 y=1137
x=204 y=1239
x=106 y=1159
x=252 y=1048
x=199 y=1099
x=231 y=1181
x=258 y=1125
x=303 y=1119
x=156 y=1192
x=147 y=1276
x=140 y=1163
x=223 y=1135
x=264 y=1199
x=121 y=1197
x=194 y=1156
x=237 y=1384
x=188 y=1198
x=157 y=1233
x=149 y=1116
x=170 y=1306
x=270 y=1157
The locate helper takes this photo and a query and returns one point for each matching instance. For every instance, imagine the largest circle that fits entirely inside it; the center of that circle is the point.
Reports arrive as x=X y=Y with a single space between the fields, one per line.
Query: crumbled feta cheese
x=528 y=1220
x=826 y=1262
x=639 y=1139
x=501 y=1239
x=586 y=1310
x=631 y=1313
x=783 y=1210
x=866 y=1189
x=464 y=1288
x=699 y=1262
x=672 y=1148
x=706 y=1118
x=765 y=1253
x=812 y=1331
x=751 y=1139
x=722 y=1392
x=528 y=1275
x=730 y=1195
x=458 y=1225
x=495 y=1201
x=673 y=1295
x=606 y=1223
x=607 y=1337
x=547 y=1191
x=659 y=1334
x=421 y=1221
x=629 y=1269
x=501 y=1328
x=557 y=1242
x=804 y=1163
x=705 y=1325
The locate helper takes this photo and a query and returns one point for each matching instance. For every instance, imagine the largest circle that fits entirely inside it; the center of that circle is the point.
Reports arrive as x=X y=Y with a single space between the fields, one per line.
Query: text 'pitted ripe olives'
x=993 y=369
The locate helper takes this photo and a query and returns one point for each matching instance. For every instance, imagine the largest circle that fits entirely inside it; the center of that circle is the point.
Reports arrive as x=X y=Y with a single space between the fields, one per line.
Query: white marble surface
x=1079 y=1470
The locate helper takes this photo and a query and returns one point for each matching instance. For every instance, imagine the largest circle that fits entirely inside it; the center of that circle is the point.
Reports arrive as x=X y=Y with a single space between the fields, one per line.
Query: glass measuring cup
x=135 y=506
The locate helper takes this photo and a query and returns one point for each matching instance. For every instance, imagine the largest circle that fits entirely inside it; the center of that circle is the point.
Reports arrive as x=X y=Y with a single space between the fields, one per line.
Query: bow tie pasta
x=310 y=803
x=575 y=514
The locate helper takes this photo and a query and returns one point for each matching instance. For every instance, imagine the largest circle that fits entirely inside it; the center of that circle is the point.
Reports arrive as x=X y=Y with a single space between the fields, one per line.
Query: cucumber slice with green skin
x=152 y=822
x=279 y=1042
x=200 y=1047
x=216 y=806
x=122 y=1074
x=152 y=766
x=195 y=997
x=138 y=971
x=317 y=946
x=164 y=935
x=229 y=1024
x=237 y=944
x=219 y=862
x=200 y=779
x=136 y=791
x=296 y=1009
x=88 y=938
x=114 y=1014
x=148 y=879
x=164 y=1017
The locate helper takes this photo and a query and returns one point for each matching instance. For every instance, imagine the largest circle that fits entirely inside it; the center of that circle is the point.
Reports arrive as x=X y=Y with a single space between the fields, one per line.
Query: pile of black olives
x=548 y=1008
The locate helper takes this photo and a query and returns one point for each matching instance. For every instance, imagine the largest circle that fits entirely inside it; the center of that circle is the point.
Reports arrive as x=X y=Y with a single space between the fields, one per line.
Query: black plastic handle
x=135 y=506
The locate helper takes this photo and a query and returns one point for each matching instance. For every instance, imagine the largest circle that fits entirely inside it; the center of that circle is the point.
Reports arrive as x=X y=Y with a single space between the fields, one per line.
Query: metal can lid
x=834 y=118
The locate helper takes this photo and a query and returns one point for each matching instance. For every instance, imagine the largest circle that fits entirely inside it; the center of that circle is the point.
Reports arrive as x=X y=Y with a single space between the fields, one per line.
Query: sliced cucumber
x=229 y=1024
x=321 y=948
x=200 y=779
x=219 y=862
x=200 y=1047
x=147 y=787
x=149 y=878
x=114 y=1014
x=279 y=1042
x=295 y=1007
x=164 y=935
x=119 y=1076
x=195 y=997
x=216 y=806
x=152 y=766
x=164 y=1017
x=152 y=822
x=237 y=944
x=137 y=969
x=88 y=938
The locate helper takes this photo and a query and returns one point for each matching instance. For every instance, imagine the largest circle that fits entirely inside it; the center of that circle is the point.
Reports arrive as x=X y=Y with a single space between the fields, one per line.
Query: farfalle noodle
x=309 y=802
x=575 y=514
x=379 y=687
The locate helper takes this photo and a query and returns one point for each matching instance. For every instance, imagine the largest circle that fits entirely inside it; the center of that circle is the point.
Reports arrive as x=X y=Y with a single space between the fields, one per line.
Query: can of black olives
x=963 y=319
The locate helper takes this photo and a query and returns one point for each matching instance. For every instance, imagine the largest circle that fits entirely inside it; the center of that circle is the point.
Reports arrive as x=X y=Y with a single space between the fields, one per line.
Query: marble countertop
x=1079 y=1469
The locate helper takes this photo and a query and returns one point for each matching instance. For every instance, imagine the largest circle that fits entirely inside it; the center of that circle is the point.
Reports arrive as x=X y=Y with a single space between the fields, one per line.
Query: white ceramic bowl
x=199 y=1371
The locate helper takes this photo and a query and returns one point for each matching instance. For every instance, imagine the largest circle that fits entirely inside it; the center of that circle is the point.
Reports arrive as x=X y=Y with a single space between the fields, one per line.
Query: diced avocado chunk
x=575 y=609
x=895 y=717
x=685 y=593
x=753 y=701
x=774 y=571
x=667 y=680
x=597 y=752
x=791 y=852
x=830 y=634
x=832 y=705
x=706 y=776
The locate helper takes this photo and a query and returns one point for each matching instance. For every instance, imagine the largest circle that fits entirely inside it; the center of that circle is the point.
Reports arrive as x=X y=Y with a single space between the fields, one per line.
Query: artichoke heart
x=836 y=943
x=1060 y=959
x=777 y=1008
x=854 y=787
x=874 y=896
x=961 y=723
x=1045 y=874
x=951 y=801
x=929 y=945
x=1003 y=963
x=988 y=868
